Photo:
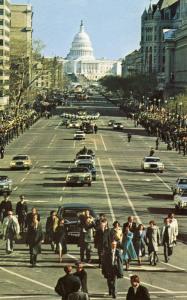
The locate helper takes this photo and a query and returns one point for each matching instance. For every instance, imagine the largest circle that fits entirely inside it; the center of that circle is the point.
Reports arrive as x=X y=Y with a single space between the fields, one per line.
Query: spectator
x=128 y=248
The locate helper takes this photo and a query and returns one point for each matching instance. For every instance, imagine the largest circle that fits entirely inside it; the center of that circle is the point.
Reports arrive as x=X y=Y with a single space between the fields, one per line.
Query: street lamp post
x=159 y=104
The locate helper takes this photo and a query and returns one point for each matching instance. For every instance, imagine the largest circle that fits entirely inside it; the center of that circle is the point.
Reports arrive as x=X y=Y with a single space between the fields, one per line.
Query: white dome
x=81 y=46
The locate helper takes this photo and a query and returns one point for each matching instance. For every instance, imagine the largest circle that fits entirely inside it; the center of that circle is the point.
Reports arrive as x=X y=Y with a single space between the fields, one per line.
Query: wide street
x=121 y=189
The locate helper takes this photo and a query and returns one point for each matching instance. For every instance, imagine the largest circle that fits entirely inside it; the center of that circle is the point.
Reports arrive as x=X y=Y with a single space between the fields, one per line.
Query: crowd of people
x=12 y=127
x=117 y=246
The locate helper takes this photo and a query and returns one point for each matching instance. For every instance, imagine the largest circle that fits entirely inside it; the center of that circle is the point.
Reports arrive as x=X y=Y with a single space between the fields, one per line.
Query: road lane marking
x=16 y=187
x=106 y=191
x=168 y=187
x=125 y=192
x=27 y=278
x=104 y=145
x=23 y=179
x=95 y=144
x=167 y=264
x=58 y=125
x=51 y=142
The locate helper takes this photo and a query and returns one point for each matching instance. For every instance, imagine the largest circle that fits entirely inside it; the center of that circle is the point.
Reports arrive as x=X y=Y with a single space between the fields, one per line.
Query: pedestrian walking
x=66 y=284
x=174 y=223
x=112 y=268
x=52 y=223
x=131 y=224
x=102 y=238
x=152 y=152
x=86 y=236
x=95 y=129
x=128 y=247
x=167 y=238
x=153 y=241
x=5 y=207
x=139 y=242
x=129 y=136
x=11 y=231
x=116 y=232
x=2 y=151
x=137 y=291
x=21 y=212
x=157 y=143
x=30 y=215
x=77 y=294
x=82 y=275
x=34 y=239
x=60 y=239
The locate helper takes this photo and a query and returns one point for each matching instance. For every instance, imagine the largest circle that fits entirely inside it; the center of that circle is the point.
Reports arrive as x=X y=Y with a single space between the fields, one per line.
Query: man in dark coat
x=77 y=294
x=21 y=212
x=112 y=268
x=5 y=206
x=66 y=284
x=30 y=215
x=102 y=238
x=137 y=291
x=132 y=225
x=82 y=275
x=34 y=239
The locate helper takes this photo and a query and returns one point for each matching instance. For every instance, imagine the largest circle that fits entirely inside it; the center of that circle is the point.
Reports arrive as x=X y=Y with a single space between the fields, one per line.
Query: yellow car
x=21 y=161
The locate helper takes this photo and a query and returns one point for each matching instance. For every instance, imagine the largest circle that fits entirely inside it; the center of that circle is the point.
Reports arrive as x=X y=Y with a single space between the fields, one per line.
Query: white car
x=79 y=135
x=74 y=124
x=79 y=175
x=180 y=184
x=180 y=200
x=84 y=157
x=117 y=126
x=152 y=163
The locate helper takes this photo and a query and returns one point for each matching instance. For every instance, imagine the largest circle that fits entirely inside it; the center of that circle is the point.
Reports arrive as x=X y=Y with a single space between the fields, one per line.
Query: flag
x=167 y=3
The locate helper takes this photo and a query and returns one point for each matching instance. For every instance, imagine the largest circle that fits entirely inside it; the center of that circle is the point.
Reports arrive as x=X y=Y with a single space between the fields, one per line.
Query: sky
x=113 y=25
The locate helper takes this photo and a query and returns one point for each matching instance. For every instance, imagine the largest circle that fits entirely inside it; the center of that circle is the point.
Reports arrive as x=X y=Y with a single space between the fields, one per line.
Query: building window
x=1 y=12
x=1 y=2
x=1 y=42
x=1 y=22
x=1 y=31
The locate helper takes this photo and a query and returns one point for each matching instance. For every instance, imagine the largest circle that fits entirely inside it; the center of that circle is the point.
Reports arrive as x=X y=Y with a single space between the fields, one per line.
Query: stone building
x=164 y=42
x=4 y=52
x=81 y=61
x=131 y=64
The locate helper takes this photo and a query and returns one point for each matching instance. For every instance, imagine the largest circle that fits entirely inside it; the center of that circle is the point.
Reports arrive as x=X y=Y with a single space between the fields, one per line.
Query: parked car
x=180 y=184
x=71 y=213
x=79 y=176
x=5 y=184
x=180 y=200
x=118 y=126
x=79 y=135
x=21 y=161
x=151 y=163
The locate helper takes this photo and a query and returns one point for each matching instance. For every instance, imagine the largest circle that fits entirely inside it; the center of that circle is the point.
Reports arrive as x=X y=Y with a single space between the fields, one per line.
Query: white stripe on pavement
x=125 y=192
x=104 y=145
x=106 y=191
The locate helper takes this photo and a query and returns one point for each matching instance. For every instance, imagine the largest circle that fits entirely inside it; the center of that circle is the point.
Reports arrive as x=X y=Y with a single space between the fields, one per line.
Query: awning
x=167 y=3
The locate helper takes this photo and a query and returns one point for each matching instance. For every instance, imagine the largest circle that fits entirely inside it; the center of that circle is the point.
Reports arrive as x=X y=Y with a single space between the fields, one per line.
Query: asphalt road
x=121 y=189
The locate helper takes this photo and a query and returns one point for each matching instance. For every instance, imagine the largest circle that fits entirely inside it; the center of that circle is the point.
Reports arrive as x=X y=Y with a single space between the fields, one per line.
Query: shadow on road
x=160 y=196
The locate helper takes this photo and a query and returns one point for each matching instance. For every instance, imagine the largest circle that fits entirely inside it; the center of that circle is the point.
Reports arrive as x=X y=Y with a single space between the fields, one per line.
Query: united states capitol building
x=81 y=61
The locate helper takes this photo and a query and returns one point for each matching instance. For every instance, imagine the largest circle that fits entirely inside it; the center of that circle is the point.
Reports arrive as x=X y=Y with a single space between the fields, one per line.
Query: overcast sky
x=113 y=25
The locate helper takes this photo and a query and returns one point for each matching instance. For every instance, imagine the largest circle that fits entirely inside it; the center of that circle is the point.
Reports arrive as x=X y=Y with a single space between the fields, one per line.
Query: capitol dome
x=81 y=46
